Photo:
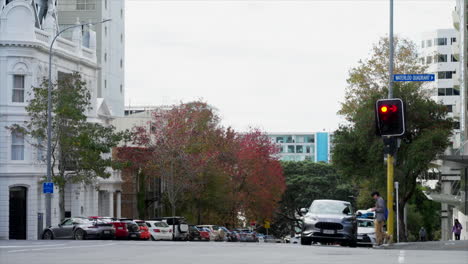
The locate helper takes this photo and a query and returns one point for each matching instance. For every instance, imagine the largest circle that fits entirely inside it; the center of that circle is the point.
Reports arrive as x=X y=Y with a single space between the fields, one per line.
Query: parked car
x=121 y=231
x=194 y=233
x=159 y=230
x=214 y=232
x=235 y=236
x=329 y=221
x=132 y=228
x=246 y=235
x=366 y=232
x=179 y=226
x=272 y=239
x=204 y=233
x=144 y=230
x=79 y=228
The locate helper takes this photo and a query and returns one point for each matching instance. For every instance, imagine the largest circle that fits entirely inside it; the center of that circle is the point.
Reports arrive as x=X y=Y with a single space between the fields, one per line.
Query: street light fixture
x=49 y=117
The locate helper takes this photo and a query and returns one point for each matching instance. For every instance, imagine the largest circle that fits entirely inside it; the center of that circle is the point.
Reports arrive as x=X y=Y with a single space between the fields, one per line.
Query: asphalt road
x=117 y=252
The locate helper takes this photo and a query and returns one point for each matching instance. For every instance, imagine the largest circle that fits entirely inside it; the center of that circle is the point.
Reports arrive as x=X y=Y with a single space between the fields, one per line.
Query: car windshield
x=331 y=208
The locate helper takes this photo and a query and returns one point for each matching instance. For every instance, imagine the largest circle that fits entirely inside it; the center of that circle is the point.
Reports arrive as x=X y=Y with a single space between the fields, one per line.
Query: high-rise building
x=110 y=44
x=437 y=53
x=302 y=146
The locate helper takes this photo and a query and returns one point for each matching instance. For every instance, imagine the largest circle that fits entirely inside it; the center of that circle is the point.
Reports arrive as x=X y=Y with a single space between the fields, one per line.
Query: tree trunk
x=62 y=201
x=402 y=225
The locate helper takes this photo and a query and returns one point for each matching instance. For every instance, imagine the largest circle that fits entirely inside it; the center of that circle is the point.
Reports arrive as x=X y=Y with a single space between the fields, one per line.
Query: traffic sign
x=414 y=77
x=267 y=224
x=48 y=187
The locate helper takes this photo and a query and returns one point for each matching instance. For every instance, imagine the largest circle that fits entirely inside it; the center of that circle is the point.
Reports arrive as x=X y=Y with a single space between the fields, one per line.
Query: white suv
x=159 y=230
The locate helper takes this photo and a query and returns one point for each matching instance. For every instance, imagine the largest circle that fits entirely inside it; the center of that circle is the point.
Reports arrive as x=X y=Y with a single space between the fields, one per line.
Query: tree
x=307 y=181
x=358 y=153
x=80 y=149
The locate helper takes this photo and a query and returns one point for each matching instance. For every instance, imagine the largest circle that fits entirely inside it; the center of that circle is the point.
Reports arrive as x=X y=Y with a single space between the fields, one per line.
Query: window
x=85 y=5
x=445 y=75
x=105 y=83
x=453 y=40
x=121 y=88
x=279 y=140
x=121 y=38
x=289 y=139
x=17 y=146
x=441 y=92
x=290 y=149
x=121 y=13
x=456 y=91
x=440 y=41
x=105 y=56
x=449 y=91
x=121 y=63
x=428 y=59
x=307 y=149
x=422 y=61
x=456 y=125
x=440 y=58
x=422 y=44
x=105 y=31
x=453 y=58
x=300 y=139
x=18 y=89
x=449 y=108
x=105 y=4
x=299 y=149
x=429 y=43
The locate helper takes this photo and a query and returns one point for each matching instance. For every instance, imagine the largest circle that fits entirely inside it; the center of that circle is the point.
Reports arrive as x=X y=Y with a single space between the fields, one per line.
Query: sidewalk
x=461 y=245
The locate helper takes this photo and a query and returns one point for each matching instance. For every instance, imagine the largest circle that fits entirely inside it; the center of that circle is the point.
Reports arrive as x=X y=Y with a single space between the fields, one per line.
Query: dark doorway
x=18 y=196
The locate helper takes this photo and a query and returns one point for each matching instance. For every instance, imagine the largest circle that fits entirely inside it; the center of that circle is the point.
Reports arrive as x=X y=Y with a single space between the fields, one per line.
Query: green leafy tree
x=80 y=149
x=358 y=152
x=307 y=181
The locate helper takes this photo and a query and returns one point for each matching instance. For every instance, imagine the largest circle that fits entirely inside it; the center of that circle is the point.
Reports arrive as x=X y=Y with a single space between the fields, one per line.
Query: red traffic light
x=385 y=109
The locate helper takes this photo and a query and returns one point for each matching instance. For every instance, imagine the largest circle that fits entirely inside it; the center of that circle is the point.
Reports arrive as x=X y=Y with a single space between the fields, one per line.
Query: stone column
x=119 y=204
x=111 y=203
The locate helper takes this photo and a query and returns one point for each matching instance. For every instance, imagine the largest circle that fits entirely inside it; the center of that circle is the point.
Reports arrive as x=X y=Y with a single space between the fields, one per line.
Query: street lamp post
x=49 y=118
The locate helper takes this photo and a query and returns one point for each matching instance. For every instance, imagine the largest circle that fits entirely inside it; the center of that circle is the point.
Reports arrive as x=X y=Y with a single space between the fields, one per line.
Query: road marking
x=41 y=245
x=54 y=248
x=401 y=257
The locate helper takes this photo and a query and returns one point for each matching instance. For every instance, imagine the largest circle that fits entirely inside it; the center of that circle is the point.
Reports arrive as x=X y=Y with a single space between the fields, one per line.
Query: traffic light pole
x=390 y=158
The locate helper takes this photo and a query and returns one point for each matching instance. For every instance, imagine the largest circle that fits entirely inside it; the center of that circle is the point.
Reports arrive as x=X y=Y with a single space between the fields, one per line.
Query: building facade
x=453 y=176
x=302 y=146
x=110 y=44
x=27 y=28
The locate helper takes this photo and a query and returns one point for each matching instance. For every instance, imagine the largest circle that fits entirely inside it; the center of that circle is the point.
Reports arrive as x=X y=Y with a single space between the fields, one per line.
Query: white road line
x=54 y=248
x=41 y=245
x=401 y=257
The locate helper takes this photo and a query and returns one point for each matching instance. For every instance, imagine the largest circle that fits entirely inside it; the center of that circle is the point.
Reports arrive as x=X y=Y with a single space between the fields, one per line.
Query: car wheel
x=306 y=241
x=48 y=235
x=152 y=238
x=79 y=234
x=352 y=243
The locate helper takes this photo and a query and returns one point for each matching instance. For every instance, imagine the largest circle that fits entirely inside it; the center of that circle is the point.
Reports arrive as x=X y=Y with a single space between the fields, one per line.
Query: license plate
x=120 y=228
x=106 y=232
x=132 y=235
x=331 y=232
x=164 y=231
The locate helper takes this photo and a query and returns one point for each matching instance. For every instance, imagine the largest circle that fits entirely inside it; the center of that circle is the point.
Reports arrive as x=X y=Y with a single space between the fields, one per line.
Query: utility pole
x=48 y=199
x=390 y=157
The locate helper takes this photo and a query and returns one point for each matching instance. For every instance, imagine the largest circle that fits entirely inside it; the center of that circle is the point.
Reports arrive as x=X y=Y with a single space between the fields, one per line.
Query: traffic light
x=390 y=117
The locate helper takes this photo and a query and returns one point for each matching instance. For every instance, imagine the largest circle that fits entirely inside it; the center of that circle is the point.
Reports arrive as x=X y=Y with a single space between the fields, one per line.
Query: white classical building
x=26 y=30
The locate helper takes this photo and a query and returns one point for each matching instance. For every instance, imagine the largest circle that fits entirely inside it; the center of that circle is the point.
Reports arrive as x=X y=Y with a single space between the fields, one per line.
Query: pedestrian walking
x=380 y=210
x=456 y=229
x=422 y=234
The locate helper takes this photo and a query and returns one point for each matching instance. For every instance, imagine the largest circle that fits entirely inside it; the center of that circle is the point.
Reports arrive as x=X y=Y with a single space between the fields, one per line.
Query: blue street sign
x=48 y=187
x=414 y=77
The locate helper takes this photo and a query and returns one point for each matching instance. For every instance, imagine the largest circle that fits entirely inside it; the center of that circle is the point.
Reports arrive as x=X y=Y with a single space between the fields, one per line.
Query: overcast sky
x=276 y=65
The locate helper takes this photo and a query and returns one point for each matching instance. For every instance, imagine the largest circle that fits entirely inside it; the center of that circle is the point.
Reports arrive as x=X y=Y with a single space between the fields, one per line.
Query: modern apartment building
x=110 y=44
x=302 y=146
